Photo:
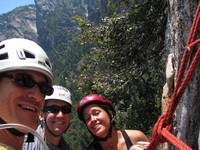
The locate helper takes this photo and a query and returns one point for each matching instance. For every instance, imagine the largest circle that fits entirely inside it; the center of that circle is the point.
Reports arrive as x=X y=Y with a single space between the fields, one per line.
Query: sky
x=8 y=5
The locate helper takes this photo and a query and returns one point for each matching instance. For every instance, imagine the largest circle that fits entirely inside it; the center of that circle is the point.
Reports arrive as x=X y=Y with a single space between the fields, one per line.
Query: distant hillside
x=21 y=22
x=49 y=22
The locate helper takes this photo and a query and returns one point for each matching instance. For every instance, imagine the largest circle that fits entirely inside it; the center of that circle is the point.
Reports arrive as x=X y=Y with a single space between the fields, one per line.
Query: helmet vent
x=3 y=56
x=2 y=46
x=48 y=63
x=28 y=55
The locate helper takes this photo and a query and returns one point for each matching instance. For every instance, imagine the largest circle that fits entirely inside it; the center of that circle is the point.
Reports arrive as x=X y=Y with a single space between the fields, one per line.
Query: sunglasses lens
x=66 y=109
x=24 y=80
x=54 y=109
x=45 y=88
x=27 y=81
x=57 y=109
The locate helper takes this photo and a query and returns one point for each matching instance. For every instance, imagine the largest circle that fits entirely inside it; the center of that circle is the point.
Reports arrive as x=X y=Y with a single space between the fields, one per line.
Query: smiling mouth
x=59 y=122
x=96 y=127
x=28 y=108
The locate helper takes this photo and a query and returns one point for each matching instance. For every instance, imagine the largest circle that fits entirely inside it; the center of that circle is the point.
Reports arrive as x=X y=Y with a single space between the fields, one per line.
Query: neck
x=11 y=140
x=51 y=139
x=111 y=143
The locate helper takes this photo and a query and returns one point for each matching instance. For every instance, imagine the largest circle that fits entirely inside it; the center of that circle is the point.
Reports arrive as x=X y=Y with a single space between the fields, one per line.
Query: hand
x=140 y=145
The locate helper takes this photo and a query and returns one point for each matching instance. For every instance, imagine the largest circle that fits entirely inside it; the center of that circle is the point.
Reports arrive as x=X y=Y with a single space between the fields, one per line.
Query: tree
x=126 y=61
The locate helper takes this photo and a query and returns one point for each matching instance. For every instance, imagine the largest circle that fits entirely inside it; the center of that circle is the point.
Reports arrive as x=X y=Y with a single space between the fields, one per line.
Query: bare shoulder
x=136 y=135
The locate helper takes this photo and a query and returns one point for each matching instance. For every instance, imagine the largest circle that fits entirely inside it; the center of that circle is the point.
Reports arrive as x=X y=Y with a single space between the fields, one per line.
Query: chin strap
x=13 y=131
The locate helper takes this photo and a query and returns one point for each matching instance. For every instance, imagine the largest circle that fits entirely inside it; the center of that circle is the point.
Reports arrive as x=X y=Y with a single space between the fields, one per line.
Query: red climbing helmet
x=93 y=99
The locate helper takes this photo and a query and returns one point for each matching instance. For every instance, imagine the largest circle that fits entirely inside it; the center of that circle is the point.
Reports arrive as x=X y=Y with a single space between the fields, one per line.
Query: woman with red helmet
x=98 y=115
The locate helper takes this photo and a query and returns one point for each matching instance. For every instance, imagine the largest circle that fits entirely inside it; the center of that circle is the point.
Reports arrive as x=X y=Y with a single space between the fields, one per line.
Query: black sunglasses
x=26 y=80
x=56 y=109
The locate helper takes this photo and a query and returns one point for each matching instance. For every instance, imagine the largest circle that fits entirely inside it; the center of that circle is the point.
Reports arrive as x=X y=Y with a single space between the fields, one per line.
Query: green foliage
x=76 y=132
x=126 y=63
x=121 y=58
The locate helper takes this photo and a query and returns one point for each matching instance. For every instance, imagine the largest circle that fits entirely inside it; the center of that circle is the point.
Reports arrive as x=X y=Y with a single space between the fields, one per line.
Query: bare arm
x=139 y=139
x=137 y=135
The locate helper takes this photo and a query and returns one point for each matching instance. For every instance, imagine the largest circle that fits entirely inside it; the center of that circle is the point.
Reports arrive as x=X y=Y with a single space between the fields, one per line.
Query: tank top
x=127 y=139
x=96 y=146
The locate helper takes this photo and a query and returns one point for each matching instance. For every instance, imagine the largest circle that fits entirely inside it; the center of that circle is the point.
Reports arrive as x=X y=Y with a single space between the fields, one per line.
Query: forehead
x=55 y=102
x=91 y=108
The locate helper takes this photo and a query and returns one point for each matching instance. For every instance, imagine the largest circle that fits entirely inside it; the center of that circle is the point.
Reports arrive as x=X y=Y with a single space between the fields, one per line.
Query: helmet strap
x=13 y=131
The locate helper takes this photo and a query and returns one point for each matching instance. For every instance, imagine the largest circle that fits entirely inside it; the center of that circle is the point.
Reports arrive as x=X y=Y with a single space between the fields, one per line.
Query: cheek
x=106 y=118
x=67 y=117
x=42 y=105
x=49 y=117
x=8 y=99
x=88 y=124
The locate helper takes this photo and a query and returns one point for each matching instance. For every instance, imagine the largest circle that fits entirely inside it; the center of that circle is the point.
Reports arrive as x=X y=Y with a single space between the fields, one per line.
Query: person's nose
x=93 y=118
x=60 y=114
x=35 y=93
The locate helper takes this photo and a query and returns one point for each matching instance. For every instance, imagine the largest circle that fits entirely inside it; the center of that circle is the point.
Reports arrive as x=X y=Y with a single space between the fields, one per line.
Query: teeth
x=29 y=108
x=96 y=126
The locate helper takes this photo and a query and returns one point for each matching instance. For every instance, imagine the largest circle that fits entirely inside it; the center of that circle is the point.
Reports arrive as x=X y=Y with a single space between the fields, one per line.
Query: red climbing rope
x=163 y=125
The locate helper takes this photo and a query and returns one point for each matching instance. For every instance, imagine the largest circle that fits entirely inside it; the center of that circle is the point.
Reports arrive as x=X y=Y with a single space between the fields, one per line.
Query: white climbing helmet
x=23 y=54
x=60 y=93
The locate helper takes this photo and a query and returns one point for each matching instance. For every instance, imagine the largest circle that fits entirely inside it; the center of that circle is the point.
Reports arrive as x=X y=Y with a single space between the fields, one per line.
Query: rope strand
x=163 y=125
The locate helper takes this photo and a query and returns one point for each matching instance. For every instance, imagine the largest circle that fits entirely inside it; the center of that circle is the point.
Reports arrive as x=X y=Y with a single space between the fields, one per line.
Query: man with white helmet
x=56 y=120
x=25 y=78
x=56 y=115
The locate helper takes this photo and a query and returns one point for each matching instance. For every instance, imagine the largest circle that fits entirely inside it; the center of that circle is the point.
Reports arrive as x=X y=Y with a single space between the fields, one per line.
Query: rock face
x=54 y=21
x=21 y=22
x=49 y=22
